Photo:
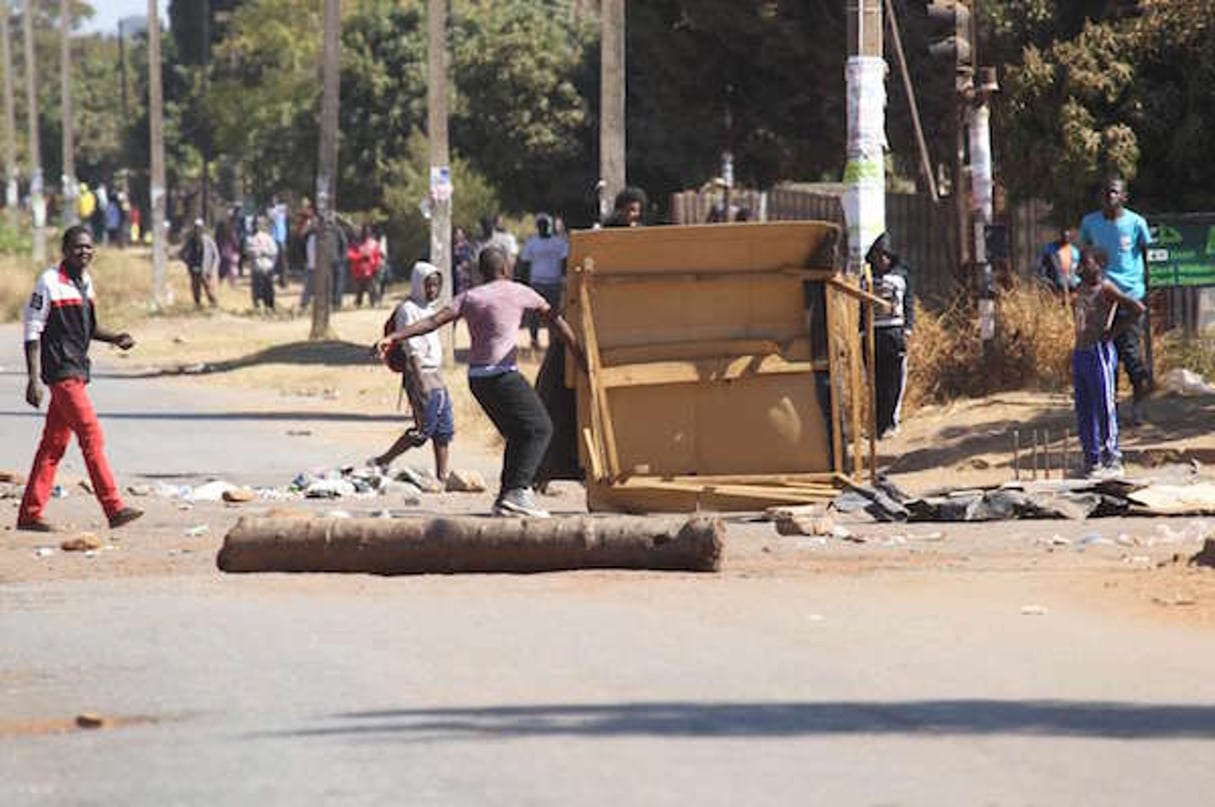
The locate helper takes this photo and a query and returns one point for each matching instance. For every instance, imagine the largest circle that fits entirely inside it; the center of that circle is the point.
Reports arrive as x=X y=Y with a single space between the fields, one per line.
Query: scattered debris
x=197 y=531
x=239 y=495
x=212 y=491
x=299 y=432
x=59 y=492
x=1166 y=500
x=44 y=552
x=805 y=519
x=465 y=482
x=12 y=477
x=83 y=542
x=1033 y=610
x=140 y=489
x=1187 y=382
x=1207 y=556
x=86 y=486
x=1175 y=601
x=91 y=720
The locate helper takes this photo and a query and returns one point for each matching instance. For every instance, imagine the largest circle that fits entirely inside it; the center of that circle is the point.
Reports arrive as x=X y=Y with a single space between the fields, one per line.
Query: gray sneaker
x=1110 y=470
x=519 y=502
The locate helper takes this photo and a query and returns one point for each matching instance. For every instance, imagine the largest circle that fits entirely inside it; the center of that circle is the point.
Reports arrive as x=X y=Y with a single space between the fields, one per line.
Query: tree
x=522 y=114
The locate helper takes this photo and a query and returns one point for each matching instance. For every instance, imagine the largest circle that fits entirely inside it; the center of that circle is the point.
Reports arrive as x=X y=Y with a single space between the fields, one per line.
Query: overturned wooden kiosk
x=725 y=368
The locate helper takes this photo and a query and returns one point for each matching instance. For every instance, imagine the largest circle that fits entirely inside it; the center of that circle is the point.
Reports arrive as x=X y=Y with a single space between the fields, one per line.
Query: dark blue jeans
x=518 y=413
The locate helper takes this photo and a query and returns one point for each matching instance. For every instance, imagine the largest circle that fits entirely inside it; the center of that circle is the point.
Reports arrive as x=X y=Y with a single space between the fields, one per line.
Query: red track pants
x=70 y=411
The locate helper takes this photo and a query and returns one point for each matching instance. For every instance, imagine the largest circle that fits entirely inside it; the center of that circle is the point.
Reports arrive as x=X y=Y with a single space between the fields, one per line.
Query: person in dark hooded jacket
x=892 y=326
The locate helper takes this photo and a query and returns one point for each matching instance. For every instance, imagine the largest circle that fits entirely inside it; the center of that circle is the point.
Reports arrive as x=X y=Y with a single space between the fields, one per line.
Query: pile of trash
x=1047 y=499
x=405 y=485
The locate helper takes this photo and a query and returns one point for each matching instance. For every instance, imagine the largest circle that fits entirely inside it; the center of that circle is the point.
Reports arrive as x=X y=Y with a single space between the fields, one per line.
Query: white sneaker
x=519 y=502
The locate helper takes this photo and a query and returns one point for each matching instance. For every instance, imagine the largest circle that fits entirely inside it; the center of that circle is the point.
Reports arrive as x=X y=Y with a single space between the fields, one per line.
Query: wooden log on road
x=467 y=544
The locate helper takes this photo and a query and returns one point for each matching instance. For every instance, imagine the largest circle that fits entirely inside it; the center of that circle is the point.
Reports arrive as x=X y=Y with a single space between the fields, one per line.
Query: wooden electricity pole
x=70 y=186
x=37 y=201
x=612 y=104
x=160 y=292
x=10 y=119
x=326 y=174
x=440 y=158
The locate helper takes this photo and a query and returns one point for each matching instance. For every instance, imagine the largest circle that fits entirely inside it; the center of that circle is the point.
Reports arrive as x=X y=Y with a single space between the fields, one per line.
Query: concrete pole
x=865 y=174
x=612 y=171
x=37 y=200
x=160 y=293
x=440 y=158
x=981 y=216
x=10 y=119
x=326 y=174
x=70 y=186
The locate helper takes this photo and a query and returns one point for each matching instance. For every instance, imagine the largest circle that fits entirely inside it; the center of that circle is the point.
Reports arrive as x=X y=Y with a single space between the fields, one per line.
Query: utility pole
x=440 y=158
x=326 y=174
x=10 y=118
x=865 y=174
x=160 y=292
x=122 y=67
x=611 y=104
x=37 y=201
x=70 y=186
x=206 y=134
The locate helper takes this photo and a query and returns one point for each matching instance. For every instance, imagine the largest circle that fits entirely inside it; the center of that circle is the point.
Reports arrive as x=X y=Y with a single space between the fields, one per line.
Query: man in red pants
x=60 y=323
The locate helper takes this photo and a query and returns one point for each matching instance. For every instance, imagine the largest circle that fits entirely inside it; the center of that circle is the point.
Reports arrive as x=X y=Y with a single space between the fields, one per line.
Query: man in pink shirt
x=493 y=312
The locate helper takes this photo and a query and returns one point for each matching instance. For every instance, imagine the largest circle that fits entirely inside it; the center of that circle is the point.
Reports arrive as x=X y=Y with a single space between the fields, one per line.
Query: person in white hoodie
x=428 y=396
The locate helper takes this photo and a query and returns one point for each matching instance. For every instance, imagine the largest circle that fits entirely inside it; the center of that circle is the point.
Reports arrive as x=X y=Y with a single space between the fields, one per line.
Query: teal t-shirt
x=1125 y=239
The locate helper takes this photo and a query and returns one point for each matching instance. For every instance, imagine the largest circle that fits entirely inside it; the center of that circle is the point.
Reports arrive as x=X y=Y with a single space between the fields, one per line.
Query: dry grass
x=123 y=280
x=1175 y=349
x=1032 y=349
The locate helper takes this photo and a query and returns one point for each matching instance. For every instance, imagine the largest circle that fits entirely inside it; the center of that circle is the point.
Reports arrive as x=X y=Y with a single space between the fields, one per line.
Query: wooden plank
x=705 y=370
x=592 y=452
x=833 y=359
x=870 y=346
x=598 y=393
x=797 y=349
x=652 y=250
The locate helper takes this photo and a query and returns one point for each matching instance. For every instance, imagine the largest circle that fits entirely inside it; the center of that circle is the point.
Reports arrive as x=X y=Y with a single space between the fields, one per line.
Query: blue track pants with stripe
x=1094 y=378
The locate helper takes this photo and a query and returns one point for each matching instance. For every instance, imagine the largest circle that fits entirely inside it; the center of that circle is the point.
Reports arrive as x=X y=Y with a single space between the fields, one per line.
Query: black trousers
x=1130 y=356
x=890 y=370
x=262 y=286
x=517 y=411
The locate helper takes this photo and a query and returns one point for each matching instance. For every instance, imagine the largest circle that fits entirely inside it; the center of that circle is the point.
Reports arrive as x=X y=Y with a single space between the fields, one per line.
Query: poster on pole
x=440 y=183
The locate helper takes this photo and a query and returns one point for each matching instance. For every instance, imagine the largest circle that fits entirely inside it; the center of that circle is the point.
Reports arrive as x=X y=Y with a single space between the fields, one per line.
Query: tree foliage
x=1128 y=93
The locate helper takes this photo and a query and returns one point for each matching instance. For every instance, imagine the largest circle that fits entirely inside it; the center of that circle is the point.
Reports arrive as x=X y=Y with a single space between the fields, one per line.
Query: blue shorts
x=437 y=423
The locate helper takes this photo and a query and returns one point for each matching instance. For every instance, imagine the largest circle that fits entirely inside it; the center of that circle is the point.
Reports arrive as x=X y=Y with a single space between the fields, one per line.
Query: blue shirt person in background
x=1124 y=236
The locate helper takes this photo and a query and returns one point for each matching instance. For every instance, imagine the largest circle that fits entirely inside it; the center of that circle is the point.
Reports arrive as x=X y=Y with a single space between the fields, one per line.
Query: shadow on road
x=961 y=717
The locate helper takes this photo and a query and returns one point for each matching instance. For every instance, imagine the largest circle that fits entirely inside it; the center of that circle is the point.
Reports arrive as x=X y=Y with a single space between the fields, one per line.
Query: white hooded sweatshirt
x=427 y=347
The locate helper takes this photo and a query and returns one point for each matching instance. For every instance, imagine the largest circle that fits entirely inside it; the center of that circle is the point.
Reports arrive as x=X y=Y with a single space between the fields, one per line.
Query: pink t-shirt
x=494 y=312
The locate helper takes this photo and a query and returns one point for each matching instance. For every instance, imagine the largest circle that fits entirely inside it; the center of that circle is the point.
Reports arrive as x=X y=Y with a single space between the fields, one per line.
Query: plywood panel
x=731 y=247
x=736 y=307
x=755 y=425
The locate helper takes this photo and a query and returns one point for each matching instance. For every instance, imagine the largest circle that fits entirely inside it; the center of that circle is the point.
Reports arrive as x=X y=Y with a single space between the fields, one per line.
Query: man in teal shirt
x=1124 y=236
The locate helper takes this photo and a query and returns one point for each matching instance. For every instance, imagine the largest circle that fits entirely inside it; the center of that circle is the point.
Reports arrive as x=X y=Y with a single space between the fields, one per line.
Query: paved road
x=904 y=686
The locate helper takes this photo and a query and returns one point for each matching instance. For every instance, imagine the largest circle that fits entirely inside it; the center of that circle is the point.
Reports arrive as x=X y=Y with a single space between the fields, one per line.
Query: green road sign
x=1182 y=252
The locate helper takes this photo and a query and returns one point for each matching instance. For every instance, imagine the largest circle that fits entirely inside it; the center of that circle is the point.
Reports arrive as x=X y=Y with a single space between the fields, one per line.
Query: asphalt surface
x=759 y=685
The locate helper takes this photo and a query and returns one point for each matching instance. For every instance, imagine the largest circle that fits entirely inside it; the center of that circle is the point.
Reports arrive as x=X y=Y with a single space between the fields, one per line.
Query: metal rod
x=1016 y=435
x=1033 y=473
x=1046 y=453
x=1067 y=451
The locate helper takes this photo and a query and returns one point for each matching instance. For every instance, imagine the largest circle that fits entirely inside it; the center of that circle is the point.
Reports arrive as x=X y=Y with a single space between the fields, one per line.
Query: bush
x=1032 y=348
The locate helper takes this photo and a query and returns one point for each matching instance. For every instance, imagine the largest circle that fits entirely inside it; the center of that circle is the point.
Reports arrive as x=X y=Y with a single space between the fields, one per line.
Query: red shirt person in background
x=365 y=261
